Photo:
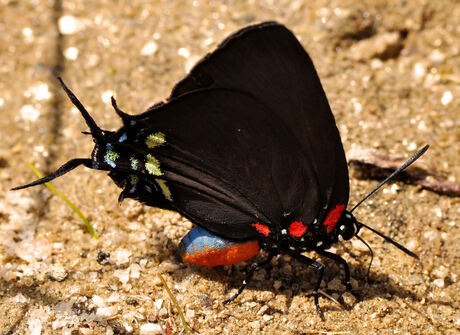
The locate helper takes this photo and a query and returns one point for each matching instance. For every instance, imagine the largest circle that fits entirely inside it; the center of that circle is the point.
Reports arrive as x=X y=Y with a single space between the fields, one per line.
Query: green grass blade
x=176 y=304
x=88 y=225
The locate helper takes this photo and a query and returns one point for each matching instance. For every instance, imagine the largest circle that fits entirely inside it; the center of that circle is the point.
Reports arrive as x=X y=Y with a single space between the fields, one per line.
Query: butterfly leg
x=341 y=261
x=249 y=274
x=320 y=268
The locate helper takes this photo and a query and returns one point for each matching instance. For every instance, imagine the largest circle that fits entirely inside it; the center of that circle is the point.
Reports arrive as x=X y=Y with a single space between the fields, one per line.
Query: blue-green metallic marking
x=134 y=163
x=111 y=156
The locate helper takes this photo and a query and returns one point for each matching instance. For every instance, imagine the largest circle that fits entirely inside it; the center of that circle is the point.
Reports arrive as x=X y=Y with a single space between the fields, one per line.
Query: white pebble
x=29 y=113
x=446 y=98
x=158 y=303
x=20 y=298
x=149 y=48
x=437 y=57
x=71 y=53
x=262 y=310
x=99 y=301
x=419 y=71
x=439 y=282
x=169 y=267
x=135 y=271
x=114 y=297
x=150 y=329
x=38 y=92
x=183 y=52
x=35 y=326
x=441 y=272
x=107 y=96
x=69 y=25
x=122 y=275
x=106 y=312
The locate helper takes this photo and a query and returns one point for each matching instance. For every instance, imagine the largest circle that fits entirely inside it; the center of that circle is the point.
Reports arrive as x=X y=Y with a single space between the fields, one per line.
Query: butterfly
x=246 y=147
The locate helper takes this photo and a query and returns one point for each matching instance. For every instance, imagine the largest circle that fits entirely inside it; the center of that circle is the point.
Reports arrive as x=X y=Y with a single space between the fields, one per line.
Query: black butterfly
x=246 y=147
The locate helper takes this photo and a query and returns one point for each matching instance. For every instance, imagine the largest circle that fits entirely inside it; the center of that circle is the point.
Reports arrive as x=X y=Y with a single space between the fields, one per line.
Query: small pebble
x=158 y=303
x=114 y=297
x=150 y=329
x=107 y=312
x=358 y=245
x=383 y=46
x=149 y=48
x=135 y=271
x=439 y=282
x=57 y=273
x=169 y=267
x=19 y=298
x=29 y=113
x=121 y=256
x=349 y=298
x=98 y=301
x=262 y=310
x=437 y=57
x=69 y=25
x=122 y=275
x=441 y=272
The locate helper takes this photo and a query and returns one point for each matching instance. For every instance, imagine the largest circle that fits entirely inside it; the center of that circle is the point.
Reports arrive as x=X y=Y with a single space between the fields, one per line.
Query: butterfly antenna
x=395 y=173
x=390 y=240
x=96 y=132
x=69 y=166
x=372 y=256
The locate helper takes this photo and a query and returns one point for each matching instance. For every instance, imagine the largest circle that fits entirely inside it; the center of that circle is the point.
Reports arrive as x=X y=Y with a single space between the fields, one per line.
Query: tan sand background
x=391 y=70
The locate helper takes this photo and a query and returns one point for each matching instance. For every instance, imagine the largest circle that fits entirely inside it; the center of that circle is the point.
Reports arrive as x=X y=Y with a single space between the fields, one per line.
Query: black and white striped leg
x=339 y=260
x=249 y=274
x=320 y=268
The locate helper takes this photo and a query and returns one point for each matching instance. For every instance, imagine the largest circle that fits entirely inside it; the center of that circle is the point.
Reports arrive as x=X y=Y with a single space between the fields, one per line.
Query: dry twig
x=366 y=163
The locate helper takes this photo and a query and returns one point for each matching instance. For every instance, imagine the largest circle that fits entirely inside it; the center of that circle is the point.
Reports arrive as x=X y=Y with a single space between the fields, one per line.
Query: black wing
x=269 y=63
x=229 y=162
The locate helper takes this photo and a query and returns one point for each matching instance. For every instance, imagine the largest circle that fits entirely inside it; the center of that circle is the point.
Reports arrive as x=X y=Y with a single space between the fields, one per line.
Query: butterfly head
x=110 y=153
x=348 y=226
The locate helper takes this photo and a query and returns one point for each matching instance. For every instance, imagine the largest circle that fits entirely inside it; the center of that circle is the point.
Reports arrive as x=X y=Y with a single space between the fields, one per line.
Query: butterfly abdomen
x=201 y=247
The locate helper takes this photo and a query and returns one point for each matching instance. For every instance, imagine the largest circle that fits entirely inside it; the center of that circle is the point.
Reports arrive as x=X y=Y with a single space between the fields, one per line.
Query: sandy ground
x=391 y=70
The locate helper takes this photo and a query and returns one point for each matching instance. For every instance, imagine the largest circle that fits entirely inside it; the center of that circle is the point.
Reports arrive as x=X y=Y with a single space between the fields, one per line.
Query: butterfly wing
x=269 y=63
x=228 y=162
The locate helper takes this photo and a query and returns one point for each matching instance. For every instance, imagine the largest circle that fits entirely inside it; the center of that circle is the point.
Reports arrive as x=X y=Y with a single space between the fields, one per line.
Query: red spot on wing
x=297 y=229
x=261 y=228
x=333 y=216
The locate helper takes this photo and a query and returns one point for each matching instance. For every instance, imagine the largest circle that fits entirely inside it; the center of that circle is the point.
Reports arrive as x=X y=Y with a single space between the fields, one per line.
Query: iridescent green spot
x=110 y=158
x=164 y=188
x=133 y=179
x=134 y=163
x=155 y=140
x=153 y=166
